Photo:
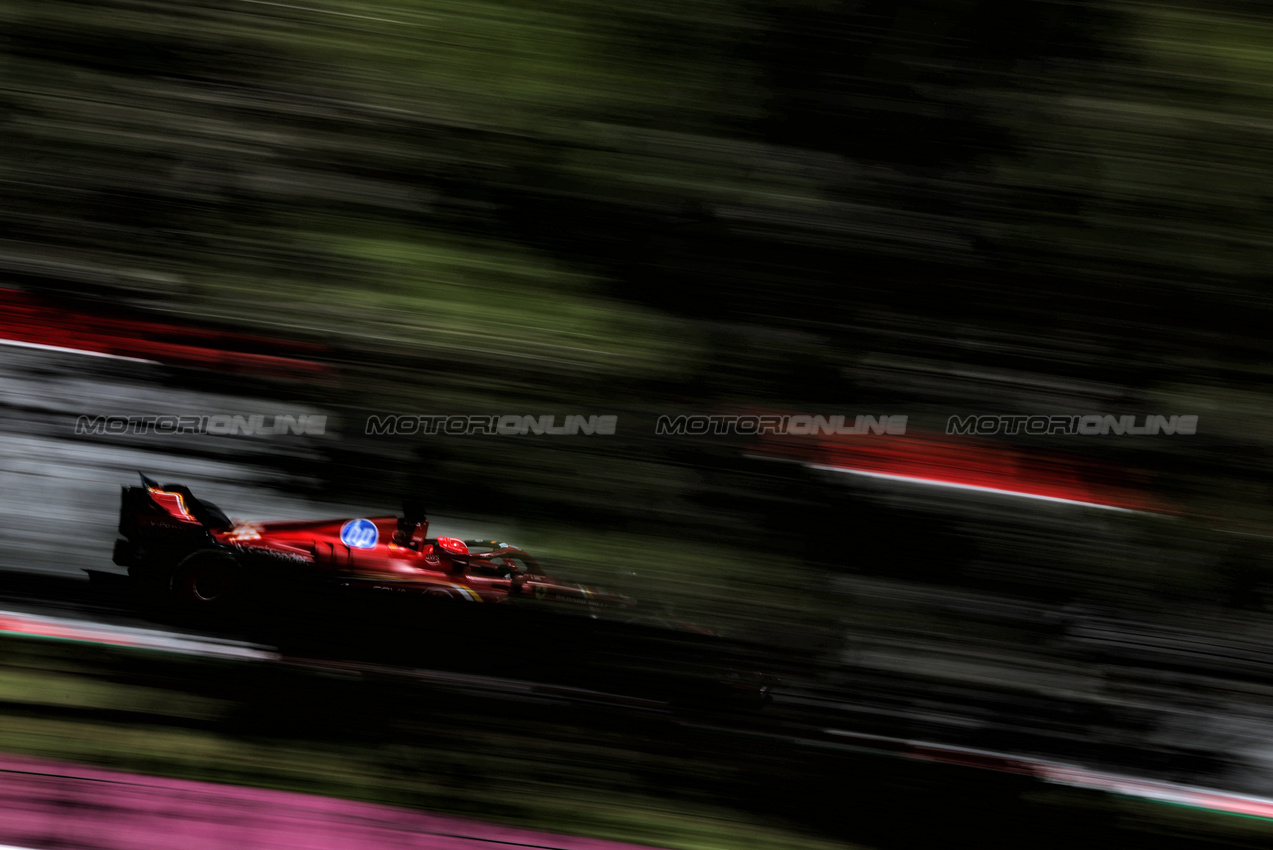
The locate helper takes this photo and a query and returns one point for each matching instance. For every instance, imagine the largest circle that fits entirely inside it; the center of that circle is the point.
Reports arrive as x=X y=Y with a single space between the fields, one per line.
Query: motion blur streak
x=938 y=217
x=965 y=463
x=119 y=811
x=63 y=629
x=30 y=321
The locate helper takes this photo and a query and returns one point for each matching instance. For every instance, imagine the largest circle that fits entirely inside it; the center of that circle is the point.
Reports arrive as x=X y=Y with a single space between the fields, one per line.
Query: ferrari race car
x=189 y=548
x=381 y=588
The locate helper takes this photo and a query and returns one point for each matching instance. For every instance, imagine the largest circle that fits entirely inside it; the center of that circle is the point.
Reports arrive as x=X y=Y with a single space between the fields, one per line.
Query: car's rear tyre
x=209 y=583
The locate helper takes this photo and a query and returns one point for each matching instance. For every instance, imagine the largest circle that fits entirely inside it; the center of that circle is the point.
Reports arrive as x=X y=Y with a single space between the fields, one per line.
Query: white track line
x=39 y=346
x=911 y=479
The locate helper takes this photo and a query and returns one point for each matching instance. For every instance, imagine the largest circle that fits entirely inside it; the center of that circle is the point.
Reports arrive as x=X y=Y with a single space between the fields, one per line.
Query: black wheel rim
x=209 y=584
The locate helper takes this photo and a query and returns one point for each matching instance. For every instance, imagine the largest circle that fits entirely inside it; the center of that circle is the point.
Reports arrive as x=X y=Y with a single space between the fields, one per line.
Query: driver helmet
x=453 y=546
x=449 y=549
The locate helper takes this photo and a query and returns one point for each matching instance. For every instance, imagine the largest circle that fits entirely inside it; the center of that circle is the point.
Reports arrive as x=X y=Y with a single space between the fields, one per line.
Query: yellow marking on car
x=181 y=502
x=408 y=580
x=468 y=593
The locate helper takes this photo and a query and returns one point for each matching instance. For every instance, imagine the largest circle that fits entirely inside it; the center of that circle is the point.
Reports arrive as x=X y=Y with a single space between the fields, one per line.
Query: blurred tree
x=713 y=199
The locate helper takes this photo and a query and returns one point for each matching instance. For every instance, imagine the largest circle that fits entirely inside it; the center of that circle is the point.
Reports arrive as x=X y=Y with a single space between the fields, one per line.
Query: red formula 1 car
x=190 y=549
x=381 y=587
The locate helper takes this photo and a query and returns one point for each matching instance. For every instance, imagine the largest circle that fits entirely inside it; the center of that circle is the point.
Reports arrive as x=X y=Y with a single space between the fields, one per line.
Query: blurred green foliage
x=569 y=769
x=278 y=726
x=580 y=204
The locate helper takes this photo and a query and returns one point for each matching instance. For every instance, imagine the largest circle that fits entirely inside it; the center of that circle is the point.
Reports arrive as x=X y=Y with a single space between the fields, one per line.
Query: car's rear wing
x=166 y=510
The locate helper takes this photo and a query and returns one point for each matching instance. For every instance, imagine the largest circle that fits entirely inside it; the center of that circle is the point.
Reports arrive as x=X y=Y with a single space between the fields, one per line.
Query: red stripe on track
x=31 y=320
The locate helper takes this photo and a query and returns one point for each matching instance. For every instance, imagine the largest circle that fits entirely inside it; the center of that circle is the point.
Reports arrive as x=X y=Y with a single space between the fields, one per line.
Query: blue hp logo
x=359 y=534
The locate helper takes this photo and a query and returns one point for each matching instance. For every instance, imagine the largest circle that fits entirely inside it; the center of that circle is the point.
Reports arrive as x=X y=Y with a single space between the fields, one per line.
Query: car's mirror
x=413 y=512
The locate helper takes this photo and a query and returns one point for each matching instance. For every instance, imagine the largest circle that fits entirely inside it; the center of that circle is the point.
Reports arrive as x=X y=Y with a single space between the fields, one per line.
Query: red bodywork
x=200 y=561
x=171 y=535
